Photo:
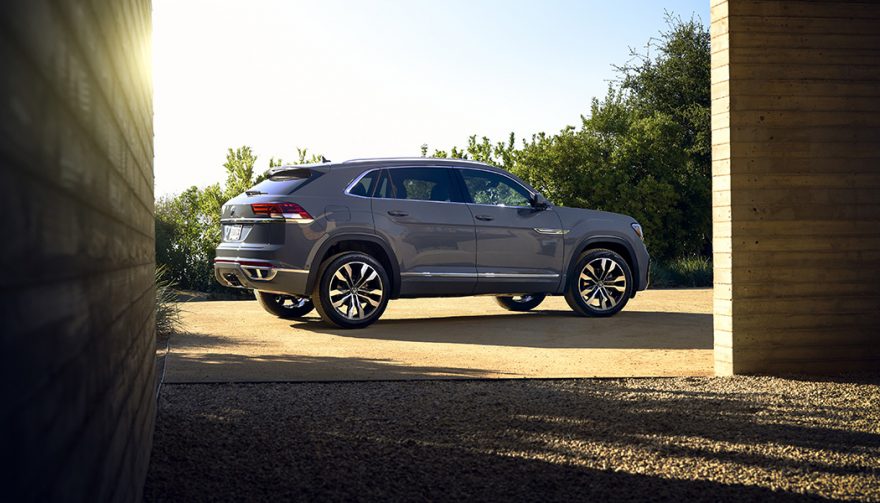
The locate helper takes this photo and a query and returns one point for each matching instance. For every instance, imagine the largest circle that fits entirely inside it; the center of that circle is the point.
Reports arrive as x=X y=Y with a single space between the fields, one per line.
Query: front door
x=422 y=214
x=519 y=248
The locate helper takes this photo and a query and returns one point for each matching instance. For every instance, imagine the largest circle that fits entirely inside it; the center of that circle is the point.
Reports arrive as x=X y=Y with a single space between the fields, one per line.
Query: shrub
x=682 y=272
x=167 y=308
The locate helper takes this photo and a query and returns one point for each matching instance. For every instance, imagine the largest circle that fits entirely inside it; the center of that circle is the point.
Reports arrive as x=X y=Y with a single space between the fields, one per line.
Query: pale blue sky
x=379 y=78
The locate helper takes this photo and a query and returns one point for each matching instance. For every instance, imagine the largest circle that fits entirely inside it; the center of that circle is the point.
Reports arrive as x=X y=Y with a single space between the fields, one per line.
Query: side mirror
x=538 y=202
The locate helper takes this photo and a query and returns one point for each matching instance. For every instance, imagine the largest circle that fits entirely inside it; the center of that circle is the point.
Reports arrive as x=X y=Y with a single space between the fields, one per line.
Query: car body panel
x=591 y=228
x=435 y=244
x=512 y=254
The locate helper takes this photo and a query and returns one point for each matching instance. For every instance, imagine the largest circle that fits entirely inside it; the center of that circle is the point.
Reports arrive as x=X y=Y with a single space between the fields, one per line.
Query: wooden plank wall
x=796 y=185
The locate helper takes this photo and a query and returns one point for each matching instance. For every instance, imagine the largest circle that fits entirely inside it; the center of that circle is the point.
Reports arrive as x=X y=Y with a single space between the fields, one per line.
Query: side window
x=486 y=187
x=423 y=184
x=383 y=188
x=364 y=186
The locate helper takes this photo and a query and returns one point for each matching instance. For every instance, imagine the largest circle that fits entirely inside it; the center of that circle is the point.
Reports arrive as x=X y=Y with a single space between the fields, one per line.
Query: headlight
x=638 y=228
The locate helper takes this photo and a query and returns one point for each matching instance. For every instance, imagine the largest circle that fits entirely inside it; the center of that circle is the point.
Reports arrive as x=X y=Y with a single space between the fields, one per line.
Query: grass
x=682 y=272
x=167 y=308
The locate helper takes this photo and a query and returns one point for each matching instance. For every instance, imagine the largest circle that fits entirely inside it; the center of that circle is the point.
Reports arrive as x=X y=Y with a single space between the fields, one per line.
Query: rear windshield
x=280 y=186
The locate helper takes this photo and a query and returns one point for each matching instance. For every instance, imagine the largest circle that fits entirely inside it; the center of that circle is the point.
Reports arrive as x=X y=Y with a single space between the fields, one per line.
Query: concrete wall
x=76 y=293
x=796 y=184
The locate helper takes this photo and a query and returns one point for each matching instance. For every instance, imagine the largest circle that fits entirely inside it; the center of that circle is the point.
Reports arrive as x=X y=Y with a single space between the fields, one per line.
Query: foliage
x=188 y=224
x=688 y=272
x=644 y=149
x=167 y=308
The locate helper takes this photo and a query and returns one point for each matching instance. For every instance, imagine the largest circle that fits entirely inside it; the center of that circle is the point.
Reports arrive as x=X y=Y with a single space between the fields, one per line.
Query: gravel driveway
x=705 y=439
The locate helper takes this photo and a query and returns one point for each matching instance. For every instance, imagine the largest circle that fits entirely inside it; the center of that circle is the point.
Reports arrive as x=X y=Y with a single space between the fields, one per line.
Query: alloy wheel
x=356 y=290
x=602 y=284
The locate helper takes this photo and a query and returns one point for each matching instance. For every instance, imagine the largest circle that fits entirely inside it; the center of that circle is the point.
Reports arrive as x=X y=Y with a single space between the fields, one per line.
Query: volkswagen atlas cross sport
x=345 y=238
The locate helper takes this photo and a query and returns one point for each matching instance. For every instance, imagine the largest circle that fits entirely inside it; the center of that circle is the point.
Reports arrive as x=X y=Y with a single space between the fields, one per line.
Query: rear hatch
x=258 y=214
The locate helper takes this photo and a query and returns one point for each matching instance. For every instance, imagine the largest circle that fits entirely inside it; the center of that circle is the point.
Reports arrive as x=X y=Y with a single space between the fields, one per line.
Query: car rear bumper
x=263 y=275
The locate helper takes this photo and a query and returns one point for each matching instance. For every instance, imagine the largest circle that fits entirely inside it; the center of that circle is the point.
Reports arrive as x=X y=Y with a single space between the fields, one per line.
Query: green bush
x=682 y=272
x=167 y=308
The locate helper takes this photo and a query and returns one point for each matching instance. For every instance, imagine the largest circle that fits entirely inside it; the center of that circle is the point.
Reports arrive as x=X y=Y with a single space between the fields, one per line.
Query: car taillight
x=279 y=210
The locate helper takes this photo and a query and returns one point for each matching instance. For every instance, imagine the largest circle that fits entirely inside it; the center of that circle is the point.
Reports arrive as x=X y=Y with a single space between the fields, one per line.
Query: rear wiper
x=254 y=192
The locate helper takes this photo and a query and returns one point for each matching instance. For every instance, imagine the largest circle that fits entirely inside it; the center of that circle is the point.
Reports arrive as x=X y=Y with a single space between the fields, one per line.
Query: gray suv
x=347 y=237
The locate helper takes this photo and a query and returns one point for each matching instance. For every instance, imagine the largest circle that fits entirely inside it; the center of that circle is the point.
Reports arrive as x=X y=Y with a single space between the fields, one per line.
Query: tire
x=288 y=307
x=601 y=285
x=520 y=302
x=339 y=277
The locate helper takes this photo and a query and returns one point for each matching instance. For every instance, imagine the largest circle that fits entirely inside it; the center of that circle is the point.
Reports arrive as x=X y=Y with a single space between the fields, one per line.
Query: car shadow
x=232 y=367
x=541 y=329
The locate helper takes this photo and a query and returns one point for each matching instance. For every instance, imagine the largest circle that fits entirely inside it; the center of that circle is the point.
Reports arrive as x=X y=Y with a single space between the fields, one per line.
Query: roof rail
x=420 y=159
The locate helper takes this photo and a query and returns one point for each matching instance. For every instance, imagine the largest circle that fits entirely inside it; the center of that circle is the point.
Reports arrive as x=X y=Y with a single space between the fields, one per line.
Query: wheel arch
x=613 y=243
x=370 y=244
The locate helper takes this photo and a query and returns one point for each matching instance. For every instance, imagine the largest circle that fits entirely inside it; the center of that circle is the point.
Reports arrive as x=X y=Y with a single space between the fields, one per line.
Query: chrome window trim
x=365 y=173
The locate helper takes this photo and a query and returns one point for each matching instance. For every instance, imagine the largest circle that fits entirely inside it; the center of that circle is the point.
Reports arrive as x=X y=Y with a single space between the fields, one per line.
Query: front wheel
x=352 y=290
x=287 y=307
x=520 y=302
x=601 y=285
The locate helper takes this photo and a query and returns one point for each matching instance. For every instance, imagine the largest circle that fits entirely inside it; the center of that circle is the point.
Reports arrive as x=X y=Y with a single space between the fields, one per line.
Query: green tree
x=188 y=225
x=239 y=167
x=184 y=239
x=644 y=149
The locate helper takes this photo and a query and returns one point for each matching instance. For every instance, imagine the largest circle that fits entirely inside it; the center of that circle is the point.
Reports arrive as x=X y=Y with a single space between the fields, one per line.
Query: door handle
x=395 y=213
x=485 y=218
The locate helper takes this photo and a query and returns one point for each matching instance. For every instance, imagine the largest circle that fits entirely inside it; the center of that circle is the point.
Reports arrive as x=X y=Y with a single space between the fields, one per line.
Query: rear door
x=519 y=248
x=421 y=212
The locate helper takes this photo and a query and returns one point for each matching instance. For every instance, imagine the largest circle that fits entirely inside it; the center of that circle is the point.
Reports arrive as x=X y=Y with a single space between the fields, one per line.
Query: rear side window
x=364 y=186
x=421 y=184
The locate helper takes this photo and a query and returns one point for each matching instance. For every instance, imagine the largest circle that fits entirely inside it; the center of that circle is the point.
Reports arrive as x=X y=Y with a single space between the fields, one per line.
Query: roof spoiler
x=290 y=172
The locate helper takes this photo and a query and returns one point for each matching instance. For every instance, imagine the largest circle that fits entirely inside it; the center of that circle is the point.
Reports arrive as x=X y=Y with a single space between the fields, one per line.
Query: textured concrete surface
x=796 y=185
x=77 y=293
x=685 y=439
x=660 y=333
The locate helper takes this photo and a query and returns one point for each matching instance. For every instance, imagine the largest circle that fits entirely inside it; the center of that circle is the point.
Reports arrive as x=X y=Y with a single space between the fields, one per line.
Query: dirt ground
x=660 y=333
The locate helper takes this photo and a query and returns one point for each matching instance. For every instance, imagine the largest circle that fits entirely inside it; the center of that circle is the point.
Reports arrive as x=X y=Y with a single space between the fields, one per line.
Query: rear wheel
x=601 y=285
x=525 y=302
x=284 y=306
x=352 y=291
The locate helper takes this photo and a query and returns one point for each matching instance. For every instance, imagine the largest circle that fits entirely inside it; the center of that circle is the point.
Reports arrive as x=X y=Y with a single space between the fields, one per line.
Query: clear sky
x=377 y=78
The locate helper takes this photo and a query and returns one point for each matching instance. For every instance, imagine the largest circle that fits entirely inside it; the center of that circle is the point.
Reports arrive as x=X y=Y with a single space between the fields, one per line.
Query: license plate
x=233 y=232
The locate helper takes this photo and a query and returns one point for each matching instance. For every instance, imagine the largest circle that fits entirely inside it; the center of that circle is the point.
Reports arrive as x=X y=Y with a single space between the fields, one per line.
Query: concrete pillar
x=77 y=371
x=796 y=185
